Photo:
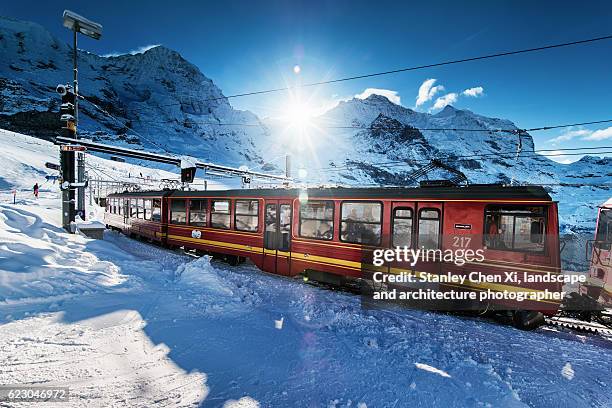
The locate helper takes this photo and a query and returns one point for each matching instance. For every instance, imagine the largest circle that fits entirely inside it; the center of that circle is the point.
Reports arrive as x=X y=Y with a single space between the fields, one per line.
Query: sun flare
x=298 y=114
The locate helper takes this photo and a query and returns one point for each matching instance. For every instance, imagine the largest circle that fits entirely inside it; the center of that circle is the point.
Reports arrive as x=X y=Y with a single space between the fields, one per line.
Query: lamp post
x=79 y=24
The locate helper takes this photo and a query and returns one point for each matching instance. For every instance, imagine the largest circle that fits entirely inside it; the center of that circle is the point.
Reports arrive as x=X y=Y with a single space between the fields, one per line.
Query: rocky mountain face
x=158 y=101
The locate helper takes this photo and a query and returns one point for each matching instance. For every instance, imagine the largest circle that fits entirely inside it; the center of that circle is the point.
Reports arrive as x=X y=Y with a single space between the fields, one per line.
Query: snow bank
x=213 y=290
x=39 y=259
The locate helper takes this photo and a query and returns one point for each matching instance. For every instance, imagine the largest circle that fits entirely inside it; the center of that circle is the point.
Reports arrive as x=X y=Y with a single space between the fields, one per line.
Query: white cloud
x=139 y=50
x=569 y=135
x=601 y=134
x=427 y=91
x=447 y=99
x=474 y=92
x=387 y=93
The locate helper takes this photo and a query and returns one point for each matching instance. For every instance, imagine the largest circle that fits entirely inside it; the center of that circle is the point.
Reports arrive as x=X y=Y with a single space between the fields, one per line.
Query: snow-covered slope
x=127 y=324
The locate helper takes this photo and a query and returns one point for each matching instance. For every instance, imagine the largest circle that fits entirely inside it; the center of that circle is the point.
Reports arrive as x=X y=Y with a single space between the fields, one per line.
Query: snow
x=432 y=370
x=126 y=323
x=567 y=371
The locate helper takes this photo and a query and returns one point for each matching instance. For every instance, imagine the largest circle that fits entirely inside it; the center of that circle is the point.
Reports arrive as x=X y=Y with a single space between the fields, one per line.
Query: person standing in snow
x=36 y=190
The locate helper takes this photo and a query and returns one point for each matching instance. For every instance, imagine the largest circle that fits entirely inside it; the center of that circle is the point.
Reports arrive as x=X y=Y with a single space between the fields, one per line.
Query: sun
x=298 y=114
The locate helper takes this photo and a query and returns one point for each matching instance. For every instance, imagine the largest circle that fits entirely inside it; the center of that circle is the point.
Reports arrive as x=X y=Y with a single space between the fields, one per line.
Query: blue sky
x=250 y=45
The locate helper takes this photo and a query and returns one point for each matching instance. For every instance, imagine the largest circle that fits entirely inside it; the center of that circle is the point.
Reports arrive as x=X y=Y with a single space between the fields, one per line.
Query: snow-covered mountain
x=159 y=101
x=166 y=100
x=374 y=141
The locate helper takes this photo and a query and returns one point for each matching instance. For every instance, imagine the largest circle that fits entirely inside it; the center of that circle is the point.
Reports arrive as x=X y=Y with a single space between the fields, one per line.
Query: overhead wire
x=518 y=132
x=507 y=154
x=407 y=127
x=407 y=69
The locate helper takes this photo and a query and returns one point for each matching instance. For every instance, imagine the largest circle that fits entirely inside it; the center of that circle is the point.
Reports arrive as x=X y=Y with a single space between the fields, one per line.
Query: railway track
x=602 y=327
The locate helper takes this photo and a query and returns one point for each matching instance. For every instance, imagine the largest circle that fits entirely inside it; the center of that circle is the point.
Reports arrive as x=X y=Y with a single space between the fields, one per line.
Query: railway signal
x=70 y=102
x=67 y=109
x=188 y=175
x=188 y=170
x=66 y=167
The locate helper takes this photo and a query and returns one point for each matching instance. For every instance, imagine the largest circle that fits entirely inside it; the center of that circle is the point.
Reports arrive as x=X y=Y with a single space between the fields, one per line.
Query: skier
x=36 y=190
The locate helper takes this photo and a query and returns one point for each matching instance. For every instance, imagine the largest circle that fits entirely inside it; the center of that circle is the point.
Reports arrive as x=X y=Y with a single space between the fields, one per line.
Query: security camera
x=61 y=89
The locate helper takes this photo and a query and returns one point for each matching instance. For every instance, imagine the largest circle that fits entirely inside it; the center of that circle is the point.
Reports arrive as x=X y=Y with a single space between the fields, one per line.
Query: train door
x=126 y=210
x=428 y=237
x=402 y=229
x=277 y=236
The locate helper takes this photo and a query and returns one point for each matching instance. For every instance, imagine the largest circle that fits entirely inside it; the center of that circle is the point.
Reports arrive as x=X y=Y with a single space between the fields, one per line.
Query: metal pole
x=288 y=166
x=90 y=195
x=80 y=155
x=76 y=78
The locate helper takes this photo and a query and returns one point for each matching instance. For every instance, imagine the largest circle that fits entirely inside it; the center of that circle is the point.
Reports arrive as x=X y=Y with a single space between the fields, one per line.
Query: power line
x=518 y=132
x=560 y=184
x=482 y=155
x=574 y=124
x=401 y=127
x=407 y=69
x=401 y=163
x=124 y=124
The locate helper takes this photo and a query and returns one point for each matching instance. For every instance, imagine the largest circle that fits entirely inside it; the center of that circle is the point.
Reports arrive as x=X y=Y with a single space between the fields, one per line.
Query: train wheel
x=233 y=260
x=527 y=319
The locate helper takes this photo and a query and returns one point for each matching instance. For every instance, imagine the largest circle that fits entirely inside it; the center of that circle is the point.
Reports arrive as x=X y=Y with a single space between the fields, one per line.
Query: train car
x=327 y=234
x=139 y=214
x=598 y=286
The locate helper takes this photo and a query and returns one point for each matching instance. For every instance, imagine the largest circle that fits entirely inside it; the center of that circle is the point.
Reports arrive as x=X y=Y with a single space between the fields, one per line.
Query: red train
x=326 y=234
x=598 y=287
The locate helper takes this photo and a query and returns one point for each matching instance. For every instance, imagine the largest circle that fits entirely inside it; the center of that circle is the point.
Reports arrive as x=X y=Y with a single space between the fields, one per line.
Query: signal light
x=188 y=174
x=67 y=108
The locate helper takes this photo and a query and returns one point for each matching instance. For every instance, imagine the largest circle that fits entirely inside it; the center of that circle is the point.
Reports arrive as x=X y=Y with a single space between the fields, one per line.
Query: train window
x=402 y=227
x=361 y=222
x=197 y=212
x=147 y=209
x=120 y=206
x=220 y=214
x=270 y=241
x=429 y=228
x=285 y=227
x=246 y=215
x=133 y=210
x=140 y=206
x=515 y=228
x=317 y=219
x=604 y=226
x=178 y=213
x=156 y=210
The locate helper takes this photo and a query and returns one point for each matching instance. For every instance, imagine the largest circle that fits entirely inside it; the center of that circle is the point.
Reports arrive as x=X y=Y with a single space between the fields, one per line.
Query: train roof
x=473 y=192
x=150 y=193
